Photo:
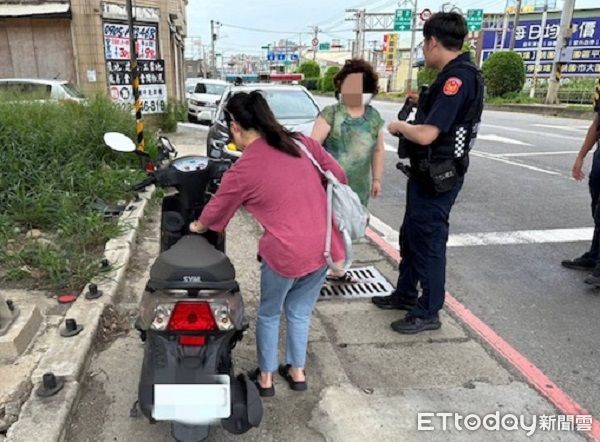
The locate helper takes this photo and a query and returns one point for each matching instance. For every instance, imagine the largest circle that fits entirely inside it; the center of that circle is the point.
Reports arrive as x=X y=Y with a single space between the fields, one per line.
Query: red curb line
x=534 y=376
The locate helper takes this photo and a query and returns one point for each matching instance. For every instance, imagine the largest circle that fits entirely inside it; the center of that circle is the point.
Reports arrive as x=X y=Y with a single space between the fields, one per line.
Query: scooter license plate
x=193 y=403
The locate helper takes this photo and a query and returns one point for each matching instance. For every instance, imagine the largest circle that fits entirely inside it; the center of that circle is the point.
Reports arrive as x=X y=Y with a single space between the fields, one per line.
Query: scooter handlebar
x=143 y=184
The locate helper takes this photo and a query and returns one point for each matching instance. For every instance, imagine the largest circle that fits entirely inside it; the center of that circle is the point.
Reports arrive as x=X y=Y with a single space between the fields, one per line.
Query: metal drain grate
x=371 y=283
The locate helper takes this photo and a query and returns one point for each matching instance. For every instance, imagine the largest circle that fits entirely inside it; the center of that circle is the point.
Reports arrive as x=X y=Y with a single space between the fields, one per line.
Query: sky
x=286 y=19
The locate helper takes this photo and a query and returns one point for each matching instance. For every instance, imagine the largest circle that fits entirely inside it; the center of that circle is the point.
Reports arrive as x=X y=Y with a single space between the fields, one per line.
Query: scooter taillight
x=192 y=316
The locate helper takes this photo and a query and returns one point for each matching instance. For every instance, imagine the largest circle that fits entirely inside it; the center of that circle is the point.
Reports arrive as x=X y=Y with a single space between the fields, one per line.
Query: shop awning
x=35 y=10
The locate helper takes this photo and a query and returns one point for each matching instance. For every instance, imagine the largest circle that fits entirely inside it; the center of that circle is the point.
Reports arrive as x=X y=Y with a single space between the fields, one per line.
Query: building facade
x=87 y=42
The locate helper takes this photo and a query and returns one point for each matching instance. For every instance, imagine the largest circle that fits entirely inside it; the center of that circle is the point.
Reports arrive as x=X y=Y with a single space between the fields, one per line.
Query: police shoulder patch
x=452 y=86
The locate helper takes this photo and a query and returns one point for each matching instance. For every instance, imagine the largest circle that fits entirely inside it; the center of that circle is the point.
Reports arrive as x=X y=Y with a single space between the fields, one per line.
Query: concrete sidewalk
x=366 y=382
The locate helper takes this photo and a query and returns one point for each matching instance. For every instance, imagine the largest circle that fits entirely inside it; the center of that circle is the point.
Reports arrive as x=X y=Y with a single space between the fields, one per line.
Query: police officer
x=439 y=140
x=590 y=260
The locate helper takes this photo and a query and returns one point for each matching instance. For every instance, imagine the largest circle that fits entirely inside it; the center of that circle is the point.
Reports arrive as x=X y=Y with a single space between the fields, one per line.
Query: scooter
x=192 y=312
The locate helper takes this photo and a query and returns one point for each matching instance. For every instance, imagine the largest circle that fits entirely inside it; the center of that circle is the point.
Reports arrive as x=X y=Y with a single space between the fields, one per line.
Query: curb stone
x=46 y=419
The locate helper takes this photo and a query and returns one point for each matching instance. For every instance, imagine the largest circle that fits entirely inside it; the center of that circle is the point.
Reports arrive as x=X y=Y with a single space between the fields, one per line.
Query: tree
x=504 y=73
x=327 y=80
x=310 y=69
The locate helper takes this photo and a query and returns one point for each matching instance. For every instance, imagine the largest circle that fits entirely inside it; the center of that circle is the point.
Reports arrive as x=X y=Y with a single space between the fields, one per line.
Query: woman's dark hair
x=358 y=66
x=449 y=28
x=251 y=111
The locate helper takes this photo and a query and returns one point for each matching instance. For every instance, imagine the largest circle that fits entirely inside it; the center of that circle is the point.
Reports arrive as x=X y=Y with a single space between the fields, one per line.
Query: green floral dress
x=352 y=142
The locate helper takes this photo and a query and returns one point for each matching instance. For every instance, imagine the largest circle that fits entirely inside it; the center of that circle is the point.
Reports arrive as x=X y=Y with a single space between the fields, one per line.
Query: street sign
x=271 y=56
x=294 y=57
x=474 y=19
x=425 y=14
x=315 y=42
x=266 y=47
x=324 y=46
x=403 y=20
x=281 y=57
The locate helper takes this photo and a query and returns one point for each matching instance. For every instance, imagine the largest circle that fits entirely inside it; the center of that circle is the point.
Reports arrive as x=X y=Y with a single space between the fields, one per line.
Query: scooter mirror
x=119 y=142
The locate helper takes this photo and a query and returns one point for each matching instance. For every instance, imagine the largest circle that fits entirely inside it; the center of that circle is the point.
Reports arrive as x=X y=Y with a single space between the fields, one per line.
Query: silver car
x=45 y=90
x=293 y=106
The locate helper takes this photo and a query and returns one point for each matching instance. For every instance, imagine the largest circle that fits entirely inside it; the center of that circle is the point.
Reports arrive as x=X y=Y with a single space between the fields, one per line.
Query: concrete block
x=393 y=367
x=358 y=322
x=348 y=414
x=67 y=356
x=43 y=419
x=15 y=382
x=21 y=332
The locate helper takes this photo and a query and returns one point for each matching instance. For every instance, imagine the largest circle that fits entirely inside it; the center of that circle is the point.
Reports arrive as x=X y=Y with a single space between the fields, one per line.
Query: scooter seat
x=192 y=263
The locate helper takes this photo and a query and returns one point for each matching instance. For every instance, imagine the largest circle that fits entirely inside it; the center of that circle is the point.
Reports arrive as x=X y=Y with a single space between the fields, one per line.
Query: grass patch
x=55 y=166
x=513 y=98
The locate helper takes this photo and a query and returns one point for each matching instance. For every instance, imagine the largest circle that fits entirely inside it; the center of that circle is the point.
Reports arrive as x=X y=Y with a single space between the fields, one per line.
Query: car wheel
x=192 y=119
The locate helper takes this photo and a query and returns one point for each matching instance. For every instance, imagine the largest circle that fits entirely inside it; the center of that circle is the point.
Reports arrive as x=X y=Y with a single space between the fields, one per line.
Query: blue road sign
x=281 y=56
x=295 y=57
x=271 y=56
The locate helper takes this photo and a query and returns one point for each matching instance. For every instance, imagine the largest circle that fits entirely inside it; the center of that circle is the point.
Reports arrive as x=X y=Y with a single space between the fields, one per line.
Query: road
x=519 y=181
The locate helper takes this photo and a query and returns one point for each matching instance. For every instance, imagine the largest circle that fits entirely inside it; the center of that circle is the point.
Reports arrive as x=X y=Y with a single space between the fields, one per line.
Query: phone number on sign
x=154 y=105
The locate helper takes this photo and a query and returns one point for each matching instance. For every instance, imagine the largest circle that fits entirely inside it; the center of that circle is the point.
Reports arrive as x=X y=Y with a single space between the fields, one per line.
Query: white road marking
x=499 y=158
x=549 y=236
x=567 y=128
x=509 y=130
x=389 y=148
x=514 y=163
x=534 y=154
x=499 y=139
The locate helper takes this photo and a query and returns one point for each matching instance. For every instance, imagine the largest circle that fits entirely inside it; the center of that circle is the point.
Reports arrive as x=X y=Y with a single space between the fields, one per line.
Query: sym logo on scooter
x=192 y=279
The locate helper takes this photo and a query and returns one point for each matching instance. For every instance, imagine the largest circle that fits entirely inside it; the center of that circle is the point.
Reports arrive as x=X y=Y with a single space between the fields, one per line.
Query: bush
x=310 y=69
x=55 y=166
x=312 y=84
x=504 y=72
x=327 y=80
x=167 y=121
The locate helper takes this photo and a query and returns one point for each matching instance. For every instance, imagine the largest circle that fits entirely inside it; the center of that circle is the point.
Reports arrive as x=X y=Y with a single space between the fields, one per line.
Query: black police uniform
x=453 y=103
x=594 y=184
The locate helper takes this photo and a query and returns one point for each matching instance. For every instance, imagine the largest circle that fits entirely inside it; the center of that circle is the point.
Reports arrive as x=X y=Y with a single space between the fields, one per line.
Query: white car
x=202 y=104
x=45 y=90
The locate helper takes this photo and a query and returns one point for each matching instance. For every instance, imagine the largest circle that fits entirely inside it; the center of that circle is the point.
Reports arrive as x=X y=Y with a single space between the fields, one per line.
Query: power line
x=266 y=31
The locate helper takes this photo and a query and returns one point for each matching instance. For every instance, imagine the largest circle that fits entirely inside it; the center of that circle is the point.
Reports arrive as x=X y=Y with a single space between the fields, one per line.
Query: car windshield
x=212 y=89
x=72 y=91
x=291 y=104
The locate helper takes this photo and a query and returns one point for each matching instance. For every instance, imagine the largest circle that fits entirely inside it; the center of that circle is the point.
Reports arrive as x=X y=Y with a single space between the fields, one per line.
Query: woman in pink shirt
x=283 y=190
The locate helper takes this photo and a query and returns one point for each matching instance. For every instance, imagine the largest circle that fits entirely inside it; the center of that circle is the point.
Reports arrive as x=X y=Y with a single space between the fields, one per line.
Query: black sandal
x=263 y=392
x=284 y=372
x=346 y=278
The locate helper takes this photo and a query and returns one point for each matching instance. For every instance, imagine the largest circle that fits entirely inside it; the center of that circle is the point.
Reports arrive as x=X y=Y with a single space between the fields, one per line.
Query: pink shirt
x=287 y=196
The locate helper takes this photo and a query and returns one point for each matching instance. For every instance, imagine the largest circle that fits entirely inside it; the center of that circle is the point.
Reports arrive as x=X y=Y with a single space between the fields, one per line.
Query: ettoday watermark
x=439 y=421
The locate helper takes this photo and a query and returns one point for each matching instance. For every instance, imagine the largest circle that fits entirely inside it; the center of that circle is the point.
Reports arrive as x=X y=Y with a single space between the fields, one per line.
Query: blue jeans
x=423 y=238
x=298 y=298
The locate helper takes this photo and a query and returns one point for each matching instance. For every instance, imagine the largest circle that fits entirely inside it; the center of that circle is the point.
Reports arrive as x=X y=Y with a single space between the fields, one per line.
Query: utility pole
x=316 y=37
x=563 y=38
x=135 y=79
x=514 y=32
x=413 y=34
x=213 y=57
x=538 y=54
x=504 y=31
x=360 y=20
